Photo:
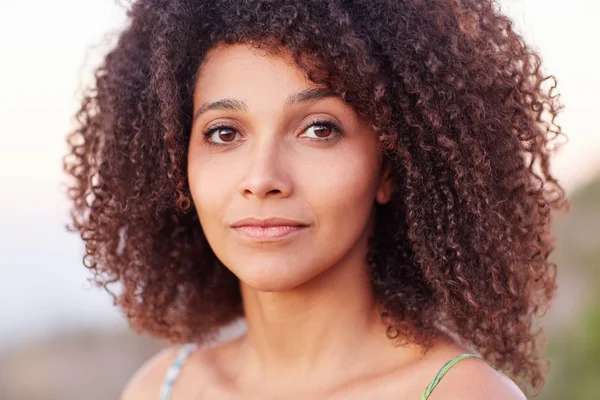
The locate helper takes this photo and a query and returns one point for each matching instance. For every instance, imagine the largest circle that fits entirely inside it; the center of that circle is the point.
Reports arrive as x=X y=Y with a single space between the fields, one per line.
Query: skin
x=314 y=330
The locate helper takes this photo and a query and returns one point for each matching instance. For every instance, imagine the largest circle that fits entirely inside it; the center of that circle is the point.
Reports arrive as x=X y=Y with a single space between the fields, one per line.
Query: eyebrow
x=238 y=105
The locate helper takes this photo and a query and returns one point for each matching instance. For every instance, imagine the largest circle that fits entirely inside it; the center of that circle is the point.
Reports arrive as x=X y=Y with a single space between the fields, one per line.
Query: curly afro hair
x=463 y=113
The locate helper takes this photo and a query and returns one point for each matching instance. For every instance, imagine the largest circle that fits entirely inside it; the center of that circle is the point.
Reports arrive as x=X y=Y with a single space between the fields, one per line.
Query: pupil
x=226 y=135
x=322 y=131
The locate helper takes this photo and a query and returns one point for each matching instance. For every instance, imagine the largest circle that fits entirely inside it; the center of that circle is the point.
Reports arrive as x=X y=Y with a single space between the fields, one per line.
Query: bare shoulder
x=197 y=375
x=474 y=379
x=146 y=382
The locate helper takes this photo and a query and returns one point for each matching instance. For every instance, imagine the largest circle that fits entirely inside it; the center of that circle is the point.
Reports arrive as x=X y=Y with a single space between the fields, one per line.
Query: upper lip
x=266 y=222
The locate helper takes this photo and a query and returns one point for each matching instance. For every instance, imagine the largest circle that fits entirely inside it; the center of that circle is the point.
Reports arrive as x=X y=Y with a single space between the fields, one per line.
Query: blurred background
x=62 y=339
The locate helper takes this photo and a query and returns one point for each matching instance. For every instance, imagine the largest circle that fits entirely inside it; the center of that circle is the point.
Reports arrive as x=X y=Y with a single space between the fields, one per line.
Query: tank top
x=185 y=350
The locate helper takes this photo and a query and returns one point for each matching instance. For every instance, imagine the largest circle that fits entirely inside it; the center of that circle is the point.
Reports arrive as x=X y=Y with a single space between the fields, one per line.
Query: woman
x=365 y=183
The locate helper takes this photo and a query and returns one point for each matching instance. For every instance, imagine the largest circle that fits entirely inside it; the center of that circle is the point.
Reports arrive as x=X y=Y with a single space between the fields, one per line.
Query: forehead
x=238 y=69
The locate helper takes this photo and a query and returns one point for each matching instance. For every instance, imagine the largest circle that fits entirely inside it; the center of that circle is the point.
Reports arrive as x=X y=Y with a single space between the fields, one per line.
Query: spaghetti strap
x=167 y=385
x=438 y=377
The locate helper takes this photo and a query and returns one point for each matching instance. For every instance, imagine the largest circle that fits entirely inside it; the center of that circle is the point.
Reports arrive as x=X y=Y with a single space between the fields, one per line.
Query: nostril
x=272 y=192
x=265 y=187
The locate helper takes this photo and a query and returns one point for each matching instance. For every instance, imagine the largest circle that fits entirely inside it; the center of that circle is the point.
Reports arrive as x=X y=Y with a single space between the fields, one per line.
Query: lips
x=267 y=229
x=266 y=222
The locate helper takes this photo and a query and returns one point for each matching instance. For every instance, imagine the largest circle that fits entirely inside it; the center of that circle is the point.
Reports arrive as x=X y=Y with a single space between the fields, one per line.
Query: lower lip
x=268 y=232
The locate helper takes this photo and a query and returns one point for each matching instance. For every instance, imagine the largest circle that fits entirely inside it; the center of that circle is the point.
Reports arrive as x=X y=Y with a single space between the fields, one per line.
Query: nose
x=267 y=174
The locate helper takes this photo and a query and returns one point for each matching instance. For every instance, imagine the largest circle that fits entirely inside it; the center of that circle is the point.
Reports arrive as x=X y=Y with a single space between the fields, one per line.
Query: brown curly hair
x=464 y=115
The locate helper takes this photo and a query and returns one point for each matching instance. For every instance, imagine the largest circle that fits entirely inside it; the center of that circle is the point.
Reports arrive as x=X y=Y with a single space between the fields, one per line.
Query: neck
x=326 y=326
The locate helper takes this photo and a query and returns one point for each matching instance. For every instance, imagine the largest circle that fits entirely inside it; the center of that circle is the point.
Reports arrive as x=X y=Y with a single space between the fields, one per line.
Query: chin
x=275 y=275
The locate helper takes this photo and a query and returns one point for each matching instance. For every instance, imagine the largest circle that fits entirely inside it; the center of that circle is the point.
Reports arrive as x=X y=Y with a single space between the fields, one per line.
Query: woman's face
x=283 y=175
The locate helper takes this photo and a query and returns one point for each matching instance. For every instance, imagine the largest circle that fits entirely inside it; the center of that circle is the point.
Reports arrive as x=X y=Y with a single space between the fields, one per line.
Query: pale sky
x=42 y=48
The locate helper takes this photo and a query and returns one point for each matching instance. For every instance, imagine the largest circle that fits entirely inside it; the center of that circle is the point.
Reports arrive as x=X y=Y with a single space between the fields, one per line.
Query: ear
x=386 y=183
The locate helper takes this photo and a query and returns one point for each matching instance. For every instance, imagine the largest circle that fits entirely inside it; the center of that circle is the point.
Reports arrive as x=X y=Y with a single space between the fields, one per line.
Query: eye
x=322 y=130
x=220 y=135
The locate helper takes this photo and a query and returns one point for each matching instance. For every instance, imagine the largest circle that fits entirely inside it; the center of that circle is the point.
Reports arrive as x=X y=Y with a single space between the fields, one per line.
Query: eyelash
x=336 y=129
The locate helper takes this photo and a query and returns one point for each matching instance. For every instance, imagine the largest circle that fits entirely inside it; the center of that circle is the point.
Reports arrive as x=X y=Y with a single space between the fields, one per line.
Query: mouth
x=267 y=229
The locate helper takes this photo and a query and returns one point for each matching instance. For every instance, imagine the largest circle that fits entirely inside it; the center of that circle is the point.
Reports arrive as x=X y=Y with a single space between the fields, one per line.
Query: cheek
x=211 y=185
x=341 y=193
x=343 y=188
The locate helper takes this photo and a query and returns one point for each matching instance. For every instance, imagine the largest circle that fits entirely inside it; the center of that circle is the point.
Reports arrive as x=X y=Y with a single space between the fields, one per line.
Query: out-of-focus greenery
x=574 y=338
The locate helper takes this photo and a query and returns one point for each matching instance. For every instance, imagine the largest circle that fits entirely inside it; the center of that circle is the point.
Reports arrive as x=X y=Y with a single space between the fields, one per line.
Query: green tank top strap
x=438 y=377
